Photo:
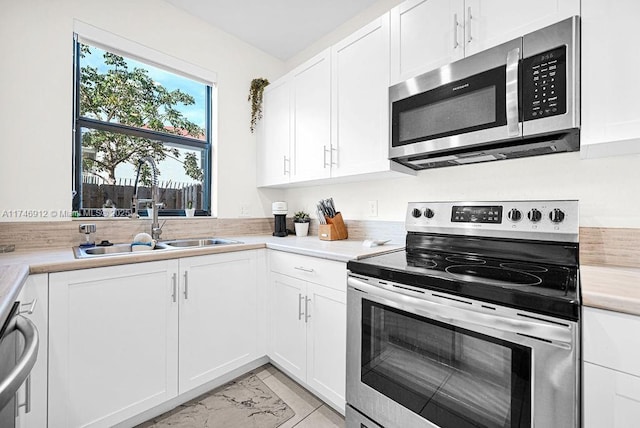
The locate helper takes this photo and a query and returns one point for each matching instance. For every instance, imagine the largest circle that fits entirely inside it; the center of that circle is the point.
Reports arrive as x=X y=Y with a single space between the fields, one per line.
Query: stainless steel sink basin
x=112 y=250
x=202 y=242
x=120 y=249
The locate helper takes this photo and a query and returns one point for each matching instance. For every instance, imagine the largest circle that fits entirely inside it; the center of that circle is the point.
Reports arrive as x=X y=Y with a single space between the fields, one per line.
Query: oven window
x=453 y=377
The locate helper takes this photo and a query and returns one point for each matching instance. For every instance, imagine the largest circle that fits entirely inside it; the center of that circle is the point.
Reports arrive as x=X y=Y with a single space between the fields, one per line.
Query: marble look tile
x=265 y=371
x=246 y=402
x=301 y=401
x=323 y=417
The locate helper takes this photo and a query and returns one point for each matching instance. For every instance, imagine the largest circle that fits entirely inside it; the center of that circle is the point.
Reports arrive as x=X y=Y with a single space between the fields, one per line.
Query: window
x=126 y=110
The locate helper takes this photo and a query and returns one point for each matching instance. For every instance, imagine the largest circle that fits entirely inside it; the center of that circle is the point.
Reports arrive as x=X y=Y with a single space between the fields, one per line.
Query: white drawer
x=320 y=271
x=611 y=340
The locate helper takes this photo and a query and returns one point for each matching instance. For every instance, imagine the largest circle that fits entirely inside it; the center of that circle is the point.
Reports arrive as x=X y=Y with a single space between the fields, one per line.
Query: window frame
x=155 y=60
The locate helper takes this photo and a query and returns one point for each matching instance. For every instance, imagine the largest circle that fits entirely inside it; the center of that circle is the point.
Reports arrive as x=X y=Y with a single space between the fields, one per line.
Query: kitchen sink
x=112 y=250
x=204 y=242
x=120 y=249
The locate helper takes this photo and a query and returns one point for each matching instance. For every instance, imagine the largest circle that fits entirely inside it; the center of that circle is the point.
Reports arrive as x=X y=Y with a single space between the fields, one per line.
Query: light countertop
x=63 y=259
x=605 y=287
x=611 y=287
x=12 y=278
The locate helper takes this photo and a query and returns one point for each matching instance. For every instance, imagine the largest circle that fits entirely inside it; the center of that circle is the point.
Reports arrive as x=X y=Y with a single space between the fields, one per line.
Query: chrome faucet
x=156 y=229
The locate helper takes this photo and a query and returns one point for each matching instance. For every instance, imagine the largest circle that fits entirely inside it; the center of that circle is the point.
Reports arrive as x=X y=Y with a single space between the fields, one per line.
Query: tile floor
x=310 y=412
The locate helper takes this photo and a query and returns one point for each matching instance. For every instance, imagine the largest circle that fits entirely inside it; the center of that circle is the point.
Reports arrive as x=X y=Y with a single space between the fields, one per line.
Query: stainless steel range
x=475 y=324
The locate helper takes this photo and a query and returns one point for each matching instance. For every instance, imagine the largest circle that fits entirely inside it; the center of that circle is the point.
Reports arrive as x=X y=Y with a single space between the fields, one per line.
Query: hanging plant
x=255 y=97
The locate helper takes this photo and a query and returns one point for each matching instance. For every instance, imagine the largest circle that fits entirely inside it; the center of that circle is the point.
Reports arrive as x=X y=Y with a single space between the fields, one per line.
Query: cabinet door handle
x=174 y=280
x=31 y=306
x=306 y=309
x=286 y=171
x=334 y=149
x=300 y=313
x=469 y=39
x=186 y=285
x=302 y=268
x=324 y=162
x=455 y=31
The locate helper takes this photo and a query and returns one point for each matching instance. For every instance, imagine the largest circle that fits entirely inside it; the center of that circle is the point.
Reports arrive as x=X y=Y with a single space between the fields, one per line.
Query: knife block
x=334 y=230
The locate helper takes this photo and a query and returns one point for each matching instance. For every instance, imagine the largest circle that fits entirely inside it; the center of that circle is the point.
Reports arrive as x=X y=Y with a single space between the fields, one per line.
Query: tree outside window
x=127 y=110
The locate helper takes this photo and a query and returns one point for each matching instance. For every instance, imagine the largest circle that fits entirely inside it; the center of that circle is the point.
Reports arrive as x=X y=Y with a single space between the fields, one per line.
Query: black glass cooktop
x=538 y=277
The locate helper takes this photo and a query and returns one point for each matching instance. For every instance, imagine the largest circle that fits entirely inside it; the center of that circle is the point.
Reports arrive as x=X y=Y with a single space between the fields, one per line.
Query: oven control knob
x=428 y=213
x=514 y=215
x=534 y=215
x=416 y=213
x=556 y=215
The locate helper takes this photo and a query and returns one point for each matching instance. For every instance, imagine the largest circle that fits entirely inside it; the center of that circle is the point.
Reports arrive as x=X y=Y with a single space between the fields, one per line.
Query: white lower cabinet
x=307 y=323
x=125 y=339
x=611 y=373
x=35 y=306
x=218 y=316
x=611 y=398
x=113 y=343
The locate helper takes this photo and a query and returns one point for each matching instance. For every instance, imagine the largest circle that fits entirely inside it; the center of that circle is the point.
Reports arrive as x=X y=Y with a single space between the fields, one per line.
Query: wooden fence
x=174 y=195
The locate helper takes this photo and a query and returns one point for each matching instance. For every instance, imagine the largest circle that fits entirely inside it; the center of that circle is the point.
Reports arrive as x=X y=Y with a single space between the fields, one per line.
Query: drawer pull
x=303 y=269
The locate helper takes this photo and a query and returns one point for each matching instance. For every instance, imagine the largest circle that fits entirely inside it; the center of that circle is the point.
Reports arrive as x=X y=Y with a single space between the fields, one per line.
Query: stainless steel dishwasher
x=18 y=353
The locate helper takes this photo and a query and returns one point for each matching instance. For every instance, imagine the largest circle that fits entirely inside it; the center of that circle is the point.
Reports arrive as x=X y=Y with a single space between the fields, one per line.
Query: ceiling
x=282 y=28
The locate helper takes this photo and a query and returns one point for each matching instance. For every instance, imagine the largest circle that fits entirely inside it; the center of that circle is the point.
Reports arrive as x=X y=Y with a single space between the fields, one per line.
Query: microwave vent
x=541 y=145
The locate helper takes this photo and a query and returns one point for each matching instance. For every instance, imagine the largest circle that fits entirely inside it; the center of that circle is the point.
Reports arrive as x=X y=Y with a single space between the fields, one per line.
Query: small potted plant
x=108 y=208
x=301 y=222
x=189 y=211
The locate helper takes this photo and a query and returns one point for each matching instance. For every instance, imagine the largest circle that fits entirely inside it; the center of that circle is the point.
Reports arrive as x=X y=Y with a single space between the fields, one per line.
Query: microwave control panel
x=544 y=86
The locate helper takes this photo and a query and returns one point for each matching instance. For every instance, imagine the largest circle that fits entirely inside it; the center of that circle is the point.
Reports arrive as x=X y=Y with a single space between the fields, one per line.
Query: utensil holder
x=334 y=230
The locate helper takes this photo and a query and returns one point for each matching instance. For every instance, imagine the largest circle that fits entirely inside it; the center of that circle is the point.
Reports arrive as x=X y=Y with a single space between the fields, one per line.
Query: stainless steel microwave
x=521 y=98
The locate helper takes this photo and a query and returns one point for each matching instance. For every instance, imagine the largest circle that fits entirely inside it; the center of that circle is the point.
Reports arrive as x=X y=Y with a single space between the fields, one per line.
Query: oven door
x=467 y=103
x=422 y=359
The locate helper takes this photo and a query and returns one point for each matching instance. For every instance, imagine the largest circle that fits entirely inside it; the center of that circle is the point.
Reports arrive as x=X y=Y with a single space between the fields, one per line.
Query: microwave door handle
x=513 y=119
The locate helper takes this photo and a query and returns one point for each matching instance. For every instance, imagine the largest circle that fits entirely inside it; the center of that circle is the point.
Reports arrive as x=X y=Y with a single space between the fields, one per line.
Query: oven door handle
x=559 y=335
x=11 y=384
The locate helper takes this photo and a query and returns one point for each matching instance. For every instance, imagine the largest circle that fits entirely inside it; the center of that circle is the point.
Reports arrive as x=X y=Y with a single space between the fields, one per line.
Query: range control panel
x=544 y=220
x=480 y=214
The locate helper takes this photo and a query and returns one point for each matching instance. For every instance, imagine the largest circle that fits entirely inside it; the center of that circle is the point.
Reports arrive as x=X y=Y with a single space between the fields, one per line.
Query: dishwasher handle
x=10 y=385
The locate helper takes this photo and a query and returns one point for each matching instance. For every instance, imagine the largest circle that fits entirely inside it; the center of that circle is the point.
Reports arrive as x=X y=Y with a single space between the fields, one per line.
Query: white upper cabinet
x=311 y=111
x=427 y=34
x=273 y=156
x=328 y=118
x=360 y=106
x=489 y=23
x=610 y=93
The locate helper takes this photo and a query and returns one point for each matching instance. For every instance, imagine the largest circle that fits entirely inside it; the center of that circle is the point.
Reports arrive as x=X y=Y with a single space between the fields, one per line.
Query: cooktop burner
x=493 y=275
x=518 y=254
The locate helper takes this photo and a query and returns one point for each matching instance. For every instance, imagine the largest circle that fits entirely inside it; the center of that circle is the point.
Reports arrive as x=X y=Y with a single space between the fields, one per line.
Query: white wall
x=36 y=96
x=607 y=188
